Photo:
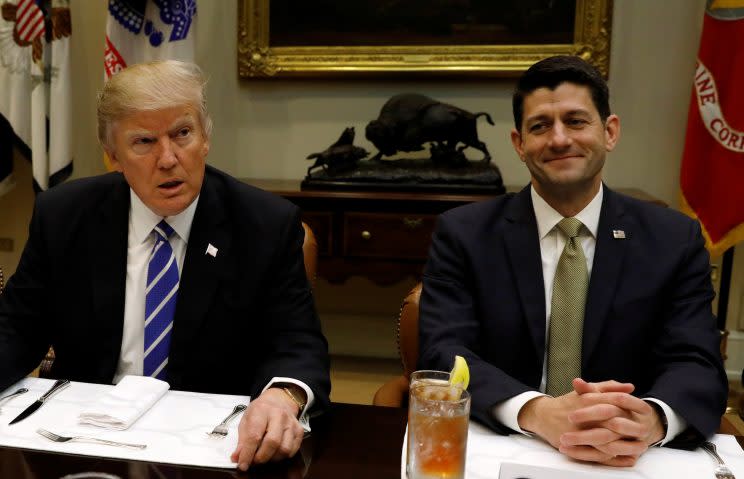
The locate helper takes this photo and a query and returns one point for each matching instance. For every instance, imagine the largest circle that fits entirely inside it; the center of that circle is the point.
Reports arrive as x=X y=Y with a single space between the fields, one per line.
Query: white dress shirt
x=552 y=242
x=140 y=242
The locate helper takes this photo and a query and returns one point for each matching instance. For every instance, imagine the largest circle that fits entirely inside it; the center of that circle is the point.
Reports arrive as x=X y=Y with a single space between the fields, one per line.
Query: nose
x=560 y=138
x=167 y=157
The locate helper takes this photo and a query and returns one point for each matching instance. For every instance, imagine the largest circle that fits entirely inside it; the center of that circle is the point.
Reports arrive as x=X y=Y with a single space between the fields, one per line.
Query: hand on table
x=597 y=422
x=615 y=429
x=548 y=417
x=269 y=430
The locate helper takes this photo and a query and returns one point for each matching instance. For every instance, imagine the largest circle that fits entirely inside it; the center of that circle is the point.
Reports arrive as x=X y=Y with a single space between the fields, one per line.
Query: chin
x=173 y=206
x=170 y=209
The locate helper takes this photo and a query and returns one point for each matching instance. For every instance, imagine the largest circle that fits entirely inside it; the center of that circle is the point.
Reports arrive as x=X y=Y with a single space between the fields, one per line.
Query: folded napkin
x=124 y=403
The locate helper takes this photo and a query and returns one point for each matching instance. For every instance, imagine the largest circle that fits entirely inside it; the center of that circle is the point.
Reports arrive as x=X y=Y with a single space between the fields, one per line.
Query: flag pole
x=723 y=294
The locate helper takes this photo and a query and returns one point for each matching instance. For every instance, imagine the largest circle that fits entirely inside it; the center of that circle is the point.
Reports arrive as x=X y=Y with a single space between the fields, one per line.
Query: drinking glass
x=437 y=429
x=428 y=375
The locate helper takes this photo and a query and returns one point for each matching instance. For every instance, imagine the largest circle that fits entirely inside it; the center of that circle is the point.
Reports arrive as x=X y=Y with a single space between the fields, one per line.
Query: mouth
x=170 y=186
x=563 y=157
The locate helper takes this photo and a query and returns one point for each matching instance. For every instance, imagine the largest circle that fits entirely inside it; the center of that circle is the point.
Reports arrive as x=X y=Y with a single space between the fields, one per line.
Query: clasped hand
x=268 y=431
x=596 y=422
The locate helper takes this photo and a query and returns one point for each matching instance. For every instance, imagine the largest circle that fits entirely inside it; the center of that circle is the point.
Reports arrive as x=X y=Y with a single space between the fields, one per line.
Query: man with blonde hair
x=172 y=269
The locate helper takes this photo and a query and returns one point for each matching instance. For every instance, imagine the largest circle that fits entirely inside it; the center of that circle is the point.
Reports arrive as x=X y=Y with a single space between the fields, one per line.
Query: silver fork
x=57 y=438
x=722 y=471
x=221 y=428
x=17 y=393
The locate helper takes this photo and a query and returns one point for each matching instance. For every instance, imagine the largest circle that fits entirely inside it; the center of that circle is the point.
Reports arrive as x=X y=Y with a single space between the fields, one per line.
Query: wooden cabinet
x=383 y=236
x=394 y=236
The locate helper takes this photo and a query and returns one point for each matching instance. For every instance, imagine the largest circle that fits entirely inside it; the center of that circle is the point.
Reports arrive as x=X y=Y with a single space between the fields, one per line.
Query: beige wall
x=265 y=129
x=15 y=212
x=651 y=74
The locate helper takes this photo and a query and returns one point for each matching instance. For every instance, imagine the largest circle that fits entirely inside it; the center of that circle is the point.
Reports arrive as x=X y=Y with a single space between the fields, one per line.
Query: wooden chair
x=310 y=256
x=394 y=393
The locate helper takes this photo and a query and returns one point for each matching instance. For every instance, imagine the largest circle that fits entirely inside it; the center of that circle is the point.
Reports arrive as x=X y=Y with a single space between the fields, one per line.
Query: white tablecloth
x=174 y=429
x=533 y=458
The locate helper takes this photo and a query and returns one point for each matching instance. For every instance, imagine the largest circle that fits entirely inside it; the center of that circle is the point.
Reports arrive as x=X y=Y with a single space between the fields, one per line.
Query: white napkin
x=124 y=403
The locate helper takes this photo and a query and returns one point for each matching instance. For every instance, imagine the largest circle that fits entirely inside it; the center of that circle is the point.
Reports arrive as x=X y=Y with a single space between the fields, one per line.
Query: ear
x=205 y=148
x=516 y=139
x=112 y=160
x=612 y=132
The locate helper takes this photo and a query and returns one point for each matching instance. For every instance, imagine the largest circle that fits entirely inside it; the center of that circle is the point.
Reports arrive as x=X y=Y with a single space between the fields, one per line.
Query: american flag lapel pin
x=618 y=234
x=211 y=251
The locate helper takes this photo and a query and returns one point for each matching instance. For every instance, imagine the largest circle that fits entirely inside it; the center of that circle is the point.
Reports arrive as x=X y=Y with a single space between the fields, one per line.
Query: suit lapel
x=202 y=272
x=107 y=246
x=523 y=245
x=608 y=261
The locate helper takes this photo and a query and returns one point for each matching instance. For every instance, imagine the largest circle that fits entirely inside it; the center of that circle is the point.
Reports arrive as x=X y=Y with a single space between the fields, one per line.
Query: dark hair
x=551 y=72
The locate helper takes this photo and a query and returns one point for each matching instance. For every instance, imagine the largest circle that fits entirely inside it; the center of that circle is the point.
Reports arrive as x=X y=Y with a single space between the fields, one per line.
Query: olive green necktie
x=567 y=312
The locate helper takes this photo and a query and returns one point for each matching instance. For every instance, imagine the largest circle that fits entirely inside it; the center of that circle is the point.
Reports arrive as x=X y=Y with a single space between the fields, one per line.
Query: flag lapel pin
x=618 y=234
x=211 y=251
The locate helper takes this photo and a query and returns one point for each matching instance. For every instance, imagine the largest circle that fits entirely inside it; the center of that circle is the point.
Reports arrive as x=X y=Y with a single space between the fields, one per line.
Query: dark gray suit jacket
x=242 y=317
x=648 y=315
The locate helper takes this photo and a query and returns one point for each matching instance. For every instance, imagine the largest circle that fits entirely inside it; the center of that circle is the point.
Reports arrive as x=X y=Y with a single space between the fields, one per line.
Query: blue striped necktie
x=160 y=303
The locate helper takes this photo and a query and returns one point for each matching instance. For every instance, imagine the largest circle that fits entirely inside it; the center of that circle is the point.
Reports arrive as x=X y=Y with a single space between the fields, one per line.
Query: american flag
x=29 y=20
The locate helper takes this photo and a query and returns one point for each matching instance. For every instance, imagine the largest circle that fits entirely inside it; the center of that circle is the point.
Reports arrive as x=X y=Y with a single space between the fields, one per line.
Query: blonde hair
x=149 y=87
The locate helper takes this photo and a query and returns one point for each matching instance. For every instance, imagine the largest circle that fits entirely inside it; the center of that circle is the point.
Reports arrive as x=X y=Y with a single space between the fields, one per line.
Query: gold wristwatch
x=295 y=393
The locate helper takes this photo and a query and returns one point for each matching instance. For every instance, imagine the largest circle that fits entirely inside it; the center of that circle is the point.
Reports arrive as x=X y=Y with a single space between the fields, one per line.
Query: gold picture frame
x=257 y=58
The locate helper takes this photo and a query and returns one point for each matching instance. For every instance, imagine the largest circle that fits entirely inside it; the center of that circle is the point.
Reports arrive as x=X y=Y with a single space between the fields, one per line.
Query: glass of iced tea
x=437 y=429
x=429 y=375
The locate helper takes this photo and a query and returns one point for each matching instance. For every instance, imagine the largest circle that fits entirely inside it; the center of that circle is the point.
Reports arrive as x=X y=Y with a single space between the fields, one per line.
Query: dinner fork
x=57 y=438
x=17 y=393
x=722 y=471
x=221 y=428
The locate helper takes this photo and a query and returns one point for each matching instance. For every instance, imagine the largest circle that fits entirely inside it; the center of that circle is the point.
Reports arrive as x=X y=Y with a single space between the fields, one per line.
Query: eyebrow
x=575 y=111
x=185 y=120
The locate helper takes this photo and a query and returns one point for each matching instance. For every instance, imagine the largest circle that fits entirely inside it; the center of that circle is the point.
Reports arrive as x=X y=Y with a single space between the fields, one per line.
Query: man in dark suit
x=585 y=315
x=228 y=309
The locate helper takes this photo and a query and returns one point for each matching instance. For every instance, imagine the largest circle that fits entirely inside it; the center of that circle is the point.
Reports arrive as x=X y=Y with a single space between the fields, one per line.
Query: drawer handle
x=366 y=235
x=412 y=223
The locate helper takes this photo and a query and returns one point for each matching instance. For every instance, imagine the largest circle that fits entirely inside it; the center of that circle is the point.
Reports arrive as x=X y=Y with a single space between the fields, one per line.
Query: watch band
x=294 y=396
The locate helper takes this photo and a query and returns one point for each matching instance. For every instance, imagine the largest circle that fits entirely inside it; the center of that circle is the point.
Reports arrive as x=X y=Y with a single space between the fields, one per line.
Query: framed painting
x=283 y=38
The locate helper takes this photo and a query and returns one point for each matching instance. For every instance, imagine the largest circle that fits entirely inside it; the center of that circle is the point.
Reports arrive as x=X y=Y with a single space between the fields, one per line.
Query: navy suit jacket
x=648 y=316
x=242 y=316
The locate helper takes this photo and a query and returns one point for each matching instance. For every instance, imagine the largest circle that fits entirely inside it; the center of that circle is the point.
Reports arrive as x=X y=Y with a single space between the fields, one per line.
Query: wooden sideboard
x=381 y=235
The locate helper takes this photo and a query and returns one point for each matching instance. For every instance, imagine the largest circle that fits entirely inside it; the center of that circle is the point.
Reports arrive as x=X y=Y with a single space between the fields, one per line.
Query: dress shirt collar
x=143 y=219
x=547 y=217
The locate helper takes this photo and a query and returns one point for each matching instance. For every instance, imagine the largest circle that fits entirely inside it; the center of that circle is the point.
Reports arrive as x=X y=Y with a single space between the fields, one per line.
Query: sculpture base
x=410 y=175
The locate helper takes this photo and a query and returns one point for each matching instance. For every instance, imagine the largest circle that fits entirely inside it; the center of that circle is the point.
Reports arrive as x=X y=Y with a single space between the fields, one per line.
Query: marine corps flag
x=712 y=176
x=146 y=30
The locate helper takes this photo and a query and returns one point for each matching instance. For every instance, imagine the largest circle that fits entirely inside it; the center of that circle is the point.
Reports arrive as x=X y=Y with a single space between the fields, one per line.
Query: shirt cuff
x=304 y=420
x=675 y=423
x=507 y=412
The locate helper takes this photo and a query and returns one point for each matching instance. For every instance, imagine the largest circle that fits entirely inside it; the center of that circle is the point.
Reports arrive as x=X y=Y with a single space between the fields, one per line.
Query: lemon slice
x=460 y=374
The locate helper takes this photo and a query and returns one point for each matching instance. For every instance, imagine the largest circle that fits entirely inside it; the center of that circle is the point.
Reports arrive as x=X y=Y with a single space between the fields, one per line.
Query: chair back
x=394 y=393
x=407 y=333
x=310 y=254
x=2 y=280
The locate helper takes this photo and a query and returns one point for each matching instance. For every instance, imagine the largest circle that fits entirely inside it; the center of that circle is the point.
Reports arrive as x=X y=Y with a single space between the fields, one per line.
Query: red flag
x=712 y=175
